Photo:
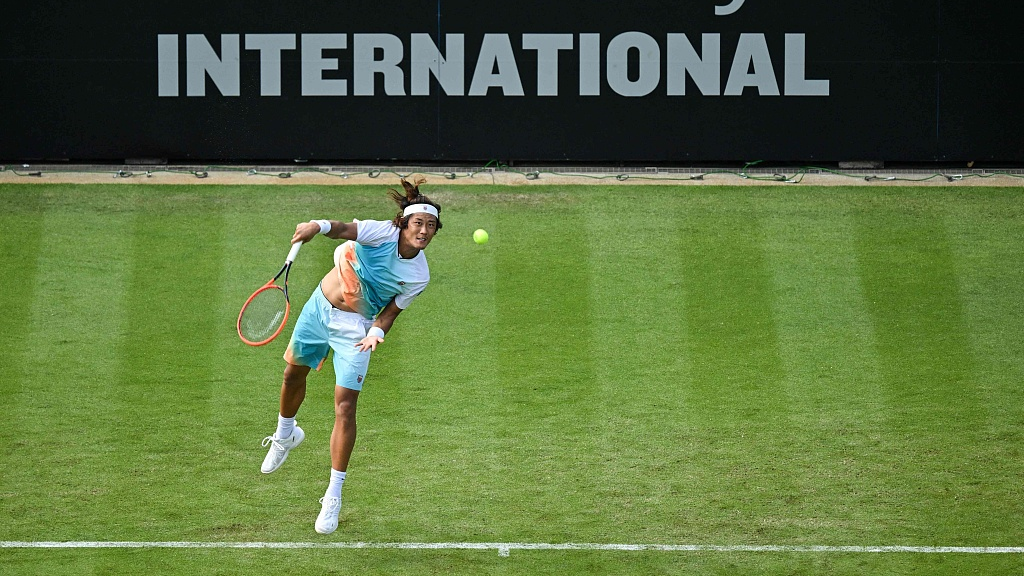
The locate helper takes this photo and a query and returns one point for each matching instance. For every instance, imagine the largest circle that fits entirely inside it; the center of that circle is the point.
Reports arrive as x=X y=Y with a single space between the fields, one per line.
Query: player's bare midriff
x=332 y=289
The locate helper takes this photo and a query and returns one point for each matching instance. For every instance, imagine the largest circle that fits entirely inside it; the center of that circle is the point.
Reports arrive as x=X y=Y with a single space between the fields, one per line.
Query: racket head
x=263 y=315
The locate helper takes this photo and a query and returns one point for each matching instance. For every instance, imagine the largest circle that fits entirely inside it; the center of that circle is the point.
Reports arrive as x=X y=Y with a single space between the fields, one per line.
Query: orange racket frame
x=286 y=270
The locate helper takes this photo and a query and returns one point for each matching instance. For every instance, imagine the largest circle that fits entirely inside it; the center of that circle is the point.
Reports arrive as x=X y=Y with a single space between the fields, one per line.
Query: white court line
x=504 y=548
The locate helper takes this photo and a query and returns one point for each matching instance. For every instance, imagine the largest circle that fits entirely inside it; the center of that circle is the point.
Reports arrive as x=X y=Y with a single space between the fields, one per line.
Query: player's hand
x=368 y=343
x=305 y=231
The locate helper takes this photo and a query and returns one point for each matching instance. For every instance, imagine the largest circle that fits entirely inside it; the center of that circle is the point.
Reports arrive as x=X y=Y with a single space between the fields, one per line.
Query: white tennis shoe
x=279 y=449
x=327 y=520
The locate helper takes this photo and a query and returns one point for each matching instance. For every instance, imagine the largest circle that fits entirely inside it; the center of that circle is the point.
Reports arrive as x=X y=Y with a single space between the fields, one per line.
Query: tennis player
x=377 y=273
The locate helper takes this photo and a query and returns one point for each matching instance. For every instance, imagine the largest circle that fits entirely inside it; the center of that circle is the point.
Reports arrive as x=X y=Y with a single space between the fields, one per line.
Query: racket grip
x=293 y=253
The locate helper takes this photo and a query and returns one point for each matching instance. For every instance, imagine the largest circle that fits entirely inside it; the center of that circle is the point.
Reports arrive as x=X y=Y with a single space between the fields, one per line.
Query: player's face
x=420 y=230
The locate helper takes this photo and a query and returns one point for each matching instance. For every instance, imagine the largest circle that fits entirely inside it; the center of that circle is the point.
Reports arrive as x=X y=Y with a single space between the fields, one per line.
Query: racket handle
x=293 y=253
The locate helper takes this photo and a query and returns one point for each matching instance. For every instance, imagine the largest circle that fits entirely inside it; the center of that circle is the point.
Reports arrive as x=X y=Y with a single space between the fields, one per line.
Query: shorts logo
x=401 y=283
x=359 y=379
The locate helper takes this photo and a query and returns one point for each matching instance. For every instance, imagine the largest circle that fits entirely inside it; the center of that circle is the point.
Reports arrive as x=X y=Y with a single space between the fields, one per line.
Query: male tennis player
x=377 y=273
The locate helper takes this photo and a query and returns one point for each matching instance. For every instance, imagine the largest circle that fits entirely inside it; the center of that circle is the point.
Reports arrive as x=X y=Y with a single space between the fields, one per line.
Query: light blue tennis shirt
x=372 y=272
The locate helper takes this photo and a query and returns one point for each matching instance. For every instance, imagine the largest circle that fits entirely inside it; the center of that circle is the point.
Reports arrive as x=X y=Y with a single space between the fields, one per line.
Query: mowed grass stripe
x=732 y=342
x=646 y=474
x=23 y=223
x=832 y=378
x=551 y=402
x=909 y=273
x=987 y=237
x=64 y=410
x=737 y=400
x=986 y=228
x=167 y=362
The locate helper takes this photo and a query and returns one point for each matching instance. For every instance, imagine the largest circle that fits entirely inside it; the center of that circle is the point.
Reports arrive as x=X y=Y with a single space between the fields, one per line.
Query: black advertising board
x=458 y=81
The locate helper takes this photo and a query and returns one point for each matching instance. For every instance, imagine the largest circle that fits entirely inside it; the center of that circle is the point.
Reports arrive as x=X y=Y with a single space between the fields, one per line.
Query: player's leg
x=343 y=440
x=293 y=390
x=288 y=435
x=343 y=437
x=307 y=348
x=350 y=369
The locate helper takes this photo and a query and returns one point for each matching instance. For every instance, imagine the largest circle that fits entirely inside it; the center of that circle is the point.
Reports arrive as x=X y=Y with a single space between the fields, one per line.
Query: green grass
x=652 y=365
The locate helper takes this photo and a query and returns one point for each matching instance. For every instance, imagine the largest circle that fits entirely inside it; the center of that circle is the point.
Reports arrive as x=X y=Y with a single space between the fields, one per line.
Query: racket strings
x=264 y=314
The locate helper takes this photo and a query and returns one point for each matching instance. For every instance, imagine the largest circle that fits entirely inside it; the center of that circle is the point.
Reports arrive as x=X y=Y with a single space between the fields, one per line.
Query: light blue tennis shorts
x=321 y=328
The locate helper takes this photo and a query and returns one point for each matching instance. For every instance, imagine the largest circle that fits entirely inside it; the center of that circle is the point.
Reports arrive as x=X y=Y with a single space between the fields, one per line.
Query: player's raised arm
x=306 y=231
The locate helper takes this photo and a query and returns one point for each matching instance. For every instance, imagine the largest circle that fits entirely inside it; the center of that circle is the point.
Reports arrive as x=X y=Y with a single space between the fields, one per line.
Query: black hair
x=412 y=196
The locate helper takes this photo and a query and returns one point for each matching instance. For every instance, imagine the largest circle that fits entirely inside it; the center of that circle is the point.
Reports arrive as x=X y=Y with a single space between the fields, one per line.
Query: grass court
x=777 y=365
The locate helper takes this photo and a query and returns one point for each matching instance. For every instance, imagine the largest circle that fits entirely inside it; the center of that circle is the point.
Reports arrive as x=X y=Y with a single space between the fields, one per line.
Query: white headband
x=418 y=208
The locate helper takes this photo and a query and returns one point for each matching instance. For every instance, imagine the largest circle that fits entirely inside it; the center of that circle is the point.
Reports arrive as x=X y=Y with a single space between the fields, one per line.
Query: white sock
x=285 y=427
x=334 y=488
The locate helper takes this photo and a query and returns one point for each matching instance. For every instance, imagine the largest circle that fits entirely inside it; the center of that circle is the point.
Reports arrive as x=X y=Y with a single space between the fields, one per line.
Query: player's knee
x=295 y=376
x=345 y=409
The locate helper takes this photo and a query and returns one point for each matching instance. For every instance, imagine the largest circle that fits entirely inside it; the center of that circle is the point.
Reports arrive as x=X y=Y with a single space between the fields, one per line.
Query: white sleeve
x=404 y=299
x=374 y=232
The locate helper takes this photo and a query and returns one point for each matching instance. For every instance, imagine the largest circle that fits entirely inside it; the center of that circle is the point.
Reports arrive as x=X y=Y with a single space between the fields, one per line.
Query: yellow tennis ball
x=480 y=236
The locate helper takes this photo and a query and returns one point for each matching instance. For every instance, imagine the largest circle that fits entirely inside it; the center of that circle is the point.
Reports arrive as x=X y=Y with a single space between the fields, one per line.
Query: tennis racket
x=265 y=313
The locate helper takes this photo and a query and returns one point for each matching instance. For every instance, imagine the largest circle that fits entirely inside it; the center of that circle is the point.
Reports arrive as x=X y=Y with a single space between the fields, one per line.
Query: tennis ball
x=480 y=236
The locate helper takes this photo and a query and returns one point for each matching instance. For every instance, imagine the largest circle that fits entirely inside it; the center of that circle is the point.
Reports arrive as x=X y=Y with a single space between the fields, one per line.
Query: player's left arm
x=385 y=319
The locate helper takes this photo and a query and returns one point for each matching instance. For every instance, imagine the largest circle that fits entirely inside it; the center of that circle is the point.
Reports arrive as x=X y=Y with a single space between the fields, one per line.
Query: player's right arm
x=306 y=231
